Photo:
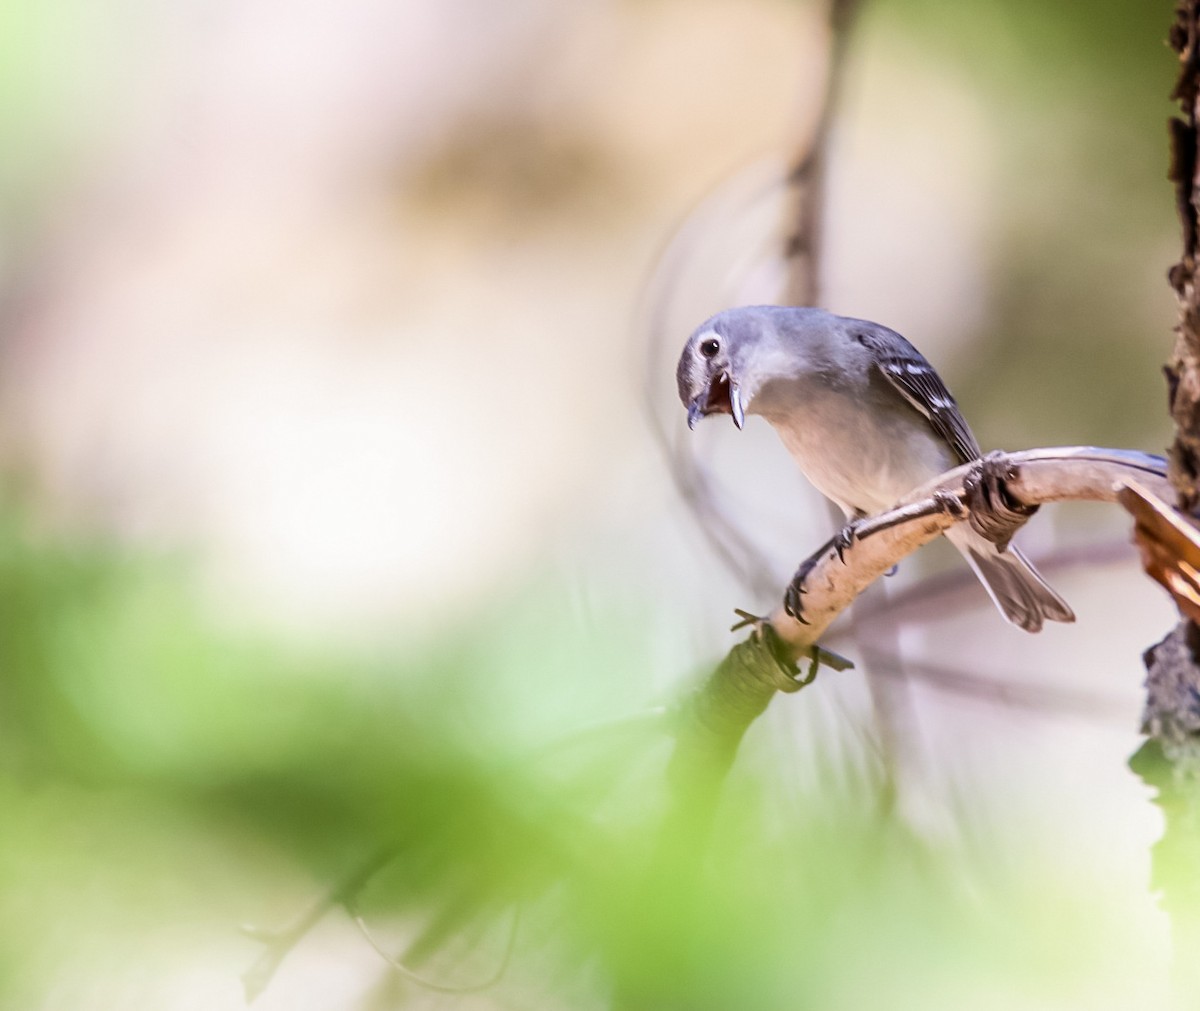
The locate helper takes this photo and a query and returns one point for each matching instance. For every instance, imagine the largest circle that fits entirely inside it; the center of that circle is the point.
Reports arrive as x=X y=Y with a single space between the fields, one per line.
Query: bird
x=863 y=414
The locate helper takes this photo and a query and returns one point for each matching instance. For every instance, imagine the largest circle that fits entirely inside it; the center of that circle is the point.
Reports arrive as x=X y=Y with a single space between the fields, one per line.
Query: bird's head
x=741 y=355
x=707 y=376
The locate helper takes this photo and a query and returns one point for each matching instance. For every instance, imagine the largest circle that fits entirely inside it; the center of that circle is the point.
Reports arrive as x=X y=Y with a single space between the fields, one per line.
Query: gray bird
x=863 y=414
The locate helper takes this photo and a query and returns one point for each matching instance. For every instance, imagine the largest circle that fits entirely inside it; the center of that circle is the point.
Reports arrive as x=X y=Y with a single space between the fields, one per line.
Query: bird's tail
x=1014 y=585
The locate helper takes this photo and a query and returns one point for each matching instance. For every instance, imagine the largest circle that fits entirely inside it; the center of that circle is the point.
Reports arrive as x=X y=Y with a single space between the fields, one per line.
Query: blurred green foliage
x=157 y=774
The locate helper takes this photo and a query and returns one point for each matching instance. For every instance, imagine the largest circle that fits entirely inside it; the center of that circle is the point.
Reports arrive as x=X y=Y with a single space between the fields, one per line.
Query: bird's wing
x=915 y=380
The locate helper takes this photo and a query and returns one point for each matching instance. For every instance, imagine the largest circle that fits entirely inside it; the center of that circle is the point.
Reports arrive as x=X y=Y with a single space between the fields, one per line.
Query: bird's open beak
x=721 y=397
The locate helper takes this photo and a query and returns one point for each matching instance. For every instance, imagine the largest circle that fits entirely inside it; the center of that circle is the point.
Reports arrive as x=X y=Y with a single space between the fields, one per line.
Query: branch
x=802 y=245
x=742 y=686
x=1038 y=476
x=1032 y=695
x=942 y=594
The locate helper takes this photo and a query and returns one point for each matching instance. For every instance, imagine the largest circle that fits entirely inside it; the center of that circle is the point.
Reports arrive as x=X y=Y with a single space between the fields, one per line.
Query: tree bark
x=1169 y=761
x=1183 y=370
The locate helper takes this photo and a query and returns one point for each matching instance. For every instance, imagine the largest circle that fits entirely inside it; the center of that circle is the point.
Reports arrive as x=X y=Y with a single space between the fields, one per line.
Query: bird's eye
x=710 y=347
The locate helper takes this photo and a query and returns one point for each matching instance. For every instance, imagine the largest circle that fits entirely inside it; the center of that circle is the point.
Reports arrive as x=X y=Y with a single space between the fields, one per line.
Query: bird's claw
x=844 y=539
x=994 y=511
x=949 y=503
x=793 y=603
x=840 y=543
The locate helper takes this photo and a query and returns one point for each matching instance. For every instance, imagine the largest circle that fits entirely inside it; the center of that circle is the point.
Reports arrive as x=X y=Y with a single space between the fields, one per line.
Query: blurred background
x=334 y=338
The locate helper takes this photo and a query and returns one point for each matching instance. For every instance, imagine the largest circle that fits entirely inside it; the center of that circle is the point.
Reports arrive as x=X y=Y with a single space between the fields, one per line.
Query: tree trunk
x=1170 y=758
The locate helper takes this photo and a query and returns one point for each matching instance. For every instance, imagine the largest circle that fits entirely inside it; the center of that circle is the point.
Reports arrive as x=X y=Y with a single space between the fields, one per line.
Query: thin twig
x=804 y=235
x=729 y=543
x=429 y=984
x=279 y=943
x=942 y=595
x=1031 y=696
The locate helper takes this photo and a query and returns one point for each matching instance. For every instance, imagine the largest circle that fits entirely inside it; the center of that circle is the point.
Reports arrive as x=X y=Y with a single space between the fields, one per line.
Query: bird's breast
x=858 y=448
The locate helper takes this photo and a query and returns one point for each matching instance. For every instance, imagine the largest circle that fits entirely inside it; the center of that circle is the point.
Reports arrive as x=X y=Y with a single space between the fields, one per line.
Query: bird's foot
x=793 y=603
x=793 y=596
x=844 y=539
x=949 y=503
x=994 y=511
